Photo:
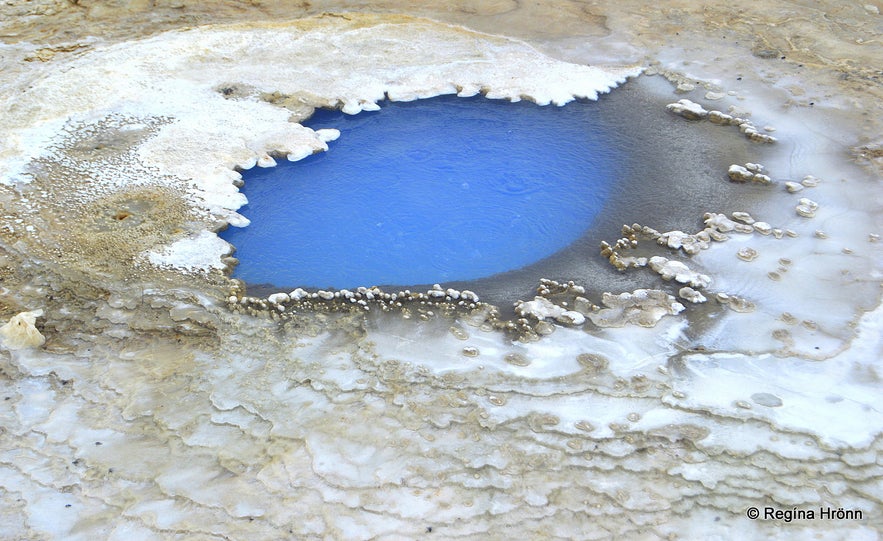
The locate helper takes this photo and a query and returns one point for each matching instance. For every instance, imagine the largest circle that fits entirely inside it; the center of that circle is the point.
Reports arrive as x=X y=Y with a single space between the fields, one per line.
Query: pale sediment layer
x=154 y=411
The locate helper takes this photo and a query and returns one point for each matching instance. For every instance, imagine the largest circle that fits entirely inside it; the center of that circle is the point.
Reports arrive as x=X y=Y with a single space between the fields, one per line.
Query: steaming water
x=429 y=191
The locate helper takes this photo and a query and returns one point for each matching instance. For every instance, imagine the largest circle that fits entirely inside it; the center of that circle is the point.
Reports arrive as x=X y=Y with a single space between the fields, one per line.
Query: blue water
x=435 y=190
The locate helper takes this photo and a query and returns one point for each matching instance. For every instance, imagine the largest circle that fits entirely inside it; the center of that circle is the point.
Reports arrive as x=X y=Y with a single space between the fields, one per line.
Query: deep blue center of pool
x=435 y=190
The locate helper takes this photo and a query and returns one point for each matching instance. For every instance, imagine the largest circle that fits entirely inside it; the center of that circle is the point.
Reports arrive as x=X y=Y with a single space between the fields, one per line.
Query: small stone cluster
x=688 y=109
x=565 y=304
x=717 y=228
x=643 y=307
x=670 y=269
x=556 y=302
x=279 y=305
x=750 y=172
x=808 y=181
x=806 y=207
x=562 y=302
x=693 y=111
x=542 y=308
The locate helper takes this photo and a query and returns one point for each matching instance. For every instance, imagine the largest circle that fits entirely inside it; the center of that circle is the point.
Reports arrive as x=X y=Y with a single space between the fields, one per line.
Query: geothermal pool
x=438 y=190
x=696 y=344
x=482 y=193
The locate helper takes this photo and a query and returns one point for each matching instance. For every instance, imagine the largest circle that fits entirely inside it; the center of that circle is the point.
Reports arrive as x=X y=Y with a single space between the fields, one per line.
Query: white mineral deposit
x=723 y=381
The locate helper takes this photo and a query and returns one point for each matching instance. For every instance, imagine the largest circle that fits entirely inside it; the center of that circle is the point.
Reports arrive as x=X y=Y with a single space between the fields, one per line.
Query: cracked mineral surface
x=146 y=395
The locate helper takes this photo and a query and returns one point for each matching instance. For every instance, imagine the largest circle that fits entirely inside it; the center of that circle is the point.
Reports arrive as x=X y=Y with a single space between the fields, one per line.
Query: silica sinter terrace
x=427 y=191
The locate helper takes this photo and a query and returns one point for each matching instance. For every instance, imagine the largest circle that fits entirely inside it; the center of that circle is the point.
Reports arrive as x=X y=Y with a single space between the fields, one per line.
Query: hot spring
x=429 y=191
x=678 y=204
x=479 y=193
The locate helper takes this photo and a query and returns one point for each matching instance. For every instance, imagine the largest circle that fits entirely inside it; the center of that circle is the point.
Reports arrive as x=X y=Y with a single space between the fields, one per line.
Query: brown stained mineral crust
x=681 y=273
x=641 y=307
x=542 y=308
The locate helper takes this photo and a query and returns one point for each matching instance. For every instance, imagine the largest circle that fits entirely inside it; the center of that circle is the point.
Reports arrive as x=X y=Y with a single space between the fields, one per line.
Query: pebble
x=793 y=187
x=747 y=254
x=681 y=273
x=806 y=207
x=743 y=217
x=298 y=294
x=277 y=298
x=325 y=295
x=691 y=295
x=717 y=117
x=687 y=109
x=750 y=172
x=763 y=228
